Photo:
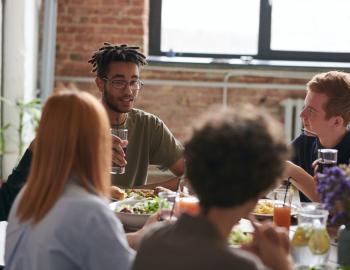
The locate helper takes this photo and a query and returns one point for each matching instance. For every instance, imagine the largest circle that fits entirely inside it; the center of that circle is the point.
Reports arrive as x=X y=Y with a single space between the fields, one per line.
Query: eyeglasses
x=121 y=84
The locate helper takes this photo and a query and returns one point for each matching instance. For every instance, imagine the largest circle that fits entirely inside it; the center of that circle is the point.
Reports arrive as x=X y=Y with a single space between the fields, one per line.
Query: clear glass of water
x=122 y=133
x=166 y=205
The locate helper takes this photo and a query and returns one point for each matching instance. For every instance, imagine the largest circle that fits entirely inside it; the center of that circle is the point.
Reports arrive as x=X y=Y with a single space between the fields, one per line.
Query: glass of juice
x=187 y=204
x=281 y=215
x=282 y=207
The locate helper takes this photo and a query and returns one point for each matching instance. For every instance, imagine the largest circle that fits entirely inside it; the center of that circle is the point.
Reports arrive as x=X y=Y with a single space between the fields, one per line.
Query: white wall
x=21 y=23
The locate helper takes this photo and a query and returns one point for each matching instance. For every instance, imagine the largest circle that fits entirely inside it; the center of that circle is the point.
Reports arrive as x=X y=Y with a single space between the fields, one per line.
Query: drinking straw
x=287 y=187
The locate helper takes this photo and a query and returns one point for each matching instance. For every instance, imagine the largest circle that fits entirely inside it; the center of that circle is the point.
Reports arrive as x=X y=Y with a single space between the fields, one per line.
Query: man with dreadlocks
x=149 y=140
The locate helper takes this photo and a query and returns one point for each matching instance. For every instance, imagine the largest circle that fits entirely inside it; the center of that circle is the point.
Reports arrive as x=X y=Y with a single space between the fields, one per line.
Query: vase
x=344 y=246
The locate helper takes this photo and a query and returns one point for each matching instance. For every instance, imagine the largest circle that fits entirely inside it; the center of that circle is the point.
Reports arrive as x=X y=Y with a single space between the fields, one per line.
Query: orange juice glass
x=282 y=207
x=189 y=205
x=281 y=215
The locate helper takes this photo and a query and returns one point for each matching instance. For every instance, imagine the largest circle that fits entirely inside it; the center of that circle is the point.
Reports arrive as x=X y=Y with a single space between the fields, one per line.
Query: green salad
x=237 y=237
x=147 y=206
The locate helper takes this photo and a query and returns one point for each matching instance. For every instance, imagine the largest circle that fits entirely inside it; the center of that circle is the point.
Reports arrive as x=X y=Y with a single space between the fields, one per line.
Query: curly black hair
x=234 y=156
x=101 y=59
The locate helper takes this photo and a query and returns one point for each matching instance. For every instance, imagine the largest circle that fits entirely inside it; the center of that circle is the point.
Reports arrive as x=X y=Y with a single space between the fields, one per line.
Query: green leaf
x=27 y=110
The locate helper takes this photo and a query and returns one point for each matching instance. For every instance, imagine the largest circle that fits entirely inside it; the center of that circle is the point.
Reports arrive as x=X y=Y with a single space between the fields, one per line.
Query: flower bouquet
x=334 y=189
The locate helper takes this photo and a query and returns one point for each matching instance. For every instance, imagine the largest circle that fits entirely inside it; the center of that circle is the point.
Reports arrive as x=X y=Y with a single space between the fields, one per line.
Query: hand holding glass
x=121 y=133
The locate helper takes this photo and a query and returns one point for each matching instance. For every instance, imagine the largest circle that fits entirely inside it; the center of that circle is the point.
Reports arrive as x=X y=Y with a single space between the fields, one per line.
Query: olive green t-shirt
x=150 y=142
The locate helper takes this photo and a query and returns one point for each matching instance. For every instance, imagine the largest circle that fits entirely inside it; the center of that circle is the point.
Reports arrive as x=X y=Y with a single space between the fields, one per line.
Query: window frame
x=264 y=41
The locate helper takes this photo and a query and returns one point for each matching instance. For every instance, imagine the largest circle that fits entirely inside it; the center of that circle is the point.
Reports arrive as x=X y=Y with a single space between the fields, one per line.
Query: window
x=310 y=30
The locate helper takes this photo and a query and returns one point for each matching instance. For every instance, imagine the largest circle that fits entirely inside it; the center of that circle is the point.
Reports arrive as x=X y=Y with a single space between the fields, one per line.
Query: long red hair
x=73 y=138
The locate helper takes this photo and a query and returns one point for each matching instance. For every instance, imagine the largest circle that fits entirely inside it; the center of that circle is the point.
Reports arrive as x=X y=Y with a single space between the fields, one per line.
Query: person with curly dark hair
x=233 y=158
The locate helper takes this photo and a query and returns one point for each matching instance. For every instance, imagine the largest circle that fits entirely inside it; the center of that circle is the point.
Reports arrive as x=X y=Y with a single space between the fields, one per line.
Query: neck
x=115 y=118
x=333 y=138
x=225 y=218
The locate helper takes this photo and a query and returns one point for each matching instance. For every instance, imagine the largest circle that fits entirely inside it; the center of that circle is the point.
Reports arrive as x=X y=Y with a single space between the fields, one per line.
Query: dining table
x=331 y=263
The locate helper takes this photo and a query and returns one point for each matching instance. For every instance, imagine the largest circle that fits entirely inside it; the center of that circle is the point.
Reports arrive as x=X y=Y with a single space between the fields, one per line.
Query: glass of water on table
x=121 y=133
x=166 y=205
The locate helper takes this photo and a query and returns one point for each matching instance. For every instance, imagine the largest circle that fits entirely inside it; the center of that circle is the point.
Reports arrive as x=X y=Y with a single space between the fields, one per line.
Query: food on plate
x=264 y=207
x=138 y=192
x=146 y=206
x=238 y=237
x=141 y=201
x=117 y=193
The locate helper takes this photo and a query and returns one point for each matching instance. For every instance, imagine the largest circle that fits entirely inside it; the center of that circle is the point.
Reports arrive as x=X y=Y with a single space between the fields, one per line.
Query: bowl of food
x=241 y=234
x=132 y=213
x=135 y=209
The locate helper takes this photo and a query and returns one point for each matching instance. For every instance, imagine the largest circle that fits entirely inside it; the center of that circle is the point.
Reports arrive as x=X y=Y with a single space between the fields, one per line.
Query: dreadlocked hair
x=101 y=59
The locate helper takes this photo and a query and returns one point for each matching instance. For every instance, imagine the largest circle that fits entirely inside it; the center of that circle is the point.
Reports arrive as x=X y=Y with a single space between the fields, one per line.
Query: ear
x=338 y=121
x=100 y=83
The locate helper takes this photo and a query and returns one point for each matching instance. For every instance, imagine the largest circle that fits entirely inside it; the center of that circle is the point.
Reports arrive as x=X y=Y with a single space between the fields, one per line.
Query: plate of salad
x=241 y=234
x=133 y=212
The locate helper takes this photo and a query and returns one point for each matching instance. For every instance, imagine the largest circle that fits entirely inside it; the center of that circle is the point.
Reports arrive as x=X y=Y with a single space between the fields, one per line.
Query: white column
x=21 y=23
x=48 y=49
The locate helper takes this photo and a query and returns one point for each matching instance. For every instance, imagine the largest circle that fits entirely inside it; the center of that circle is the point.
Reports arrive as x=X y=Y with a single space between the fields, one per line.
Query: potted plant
x=28 y=117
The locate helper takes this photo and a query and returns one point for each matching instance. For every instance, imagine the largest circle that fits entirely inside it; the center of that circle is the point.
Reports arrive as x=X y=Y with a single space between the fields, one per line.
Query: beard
x=113 y=106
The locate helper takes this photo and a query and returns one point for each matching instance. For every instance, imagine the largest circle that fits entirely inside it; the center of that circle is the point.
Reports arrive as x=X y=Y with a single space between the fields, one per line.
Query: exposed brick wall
x=179 y=106
x=83 y=25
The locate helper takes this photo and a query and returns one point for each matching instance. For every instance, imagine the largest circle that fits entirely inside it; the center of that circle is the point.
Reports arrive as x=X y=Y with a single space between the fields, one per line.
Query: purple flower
x=334 y=189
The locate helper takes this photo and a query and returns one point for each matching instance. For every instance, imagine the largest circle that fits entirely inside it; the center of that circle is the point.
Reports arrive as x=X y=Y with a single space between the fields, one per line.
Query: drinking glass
x=188 y=205
x=166 y=205
x=122 y=133
x=326 y=158
x=187 y=201
x=282 y=207
x=311 y=242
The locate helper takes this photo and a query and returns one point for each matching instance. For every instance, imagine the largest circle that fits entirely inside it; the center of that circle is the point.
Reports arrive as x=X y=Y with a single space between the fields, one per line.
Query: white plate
x=260 y=215
x=133 y=221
